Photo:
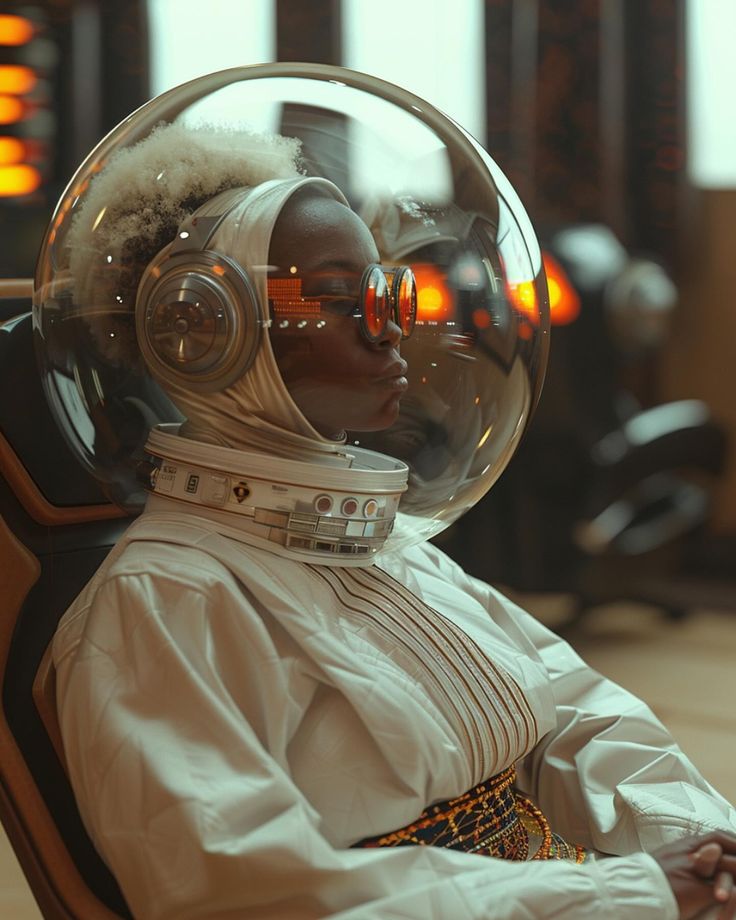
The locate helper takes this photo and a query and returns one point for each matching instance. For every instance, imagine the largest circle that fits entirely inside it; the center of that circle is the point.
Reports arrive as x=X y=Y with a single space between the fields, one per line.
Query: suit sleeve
x=609 y=776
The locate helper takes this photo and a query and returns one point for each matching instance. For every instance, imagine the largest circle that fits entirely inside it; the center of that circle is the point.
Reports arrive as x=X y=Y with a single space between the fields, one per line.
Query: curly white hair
x=136 y=203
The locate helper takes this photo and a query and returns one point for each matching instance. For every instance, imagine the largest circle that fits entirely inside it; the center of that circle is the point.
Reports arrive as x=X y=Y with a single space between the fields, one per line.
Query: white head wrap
x=256 y=412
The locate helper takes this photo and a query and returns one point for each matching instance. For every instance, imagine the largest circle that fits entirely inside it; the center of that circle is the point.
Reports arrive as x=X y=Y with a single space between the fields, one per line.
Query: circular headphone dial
x=197 y=320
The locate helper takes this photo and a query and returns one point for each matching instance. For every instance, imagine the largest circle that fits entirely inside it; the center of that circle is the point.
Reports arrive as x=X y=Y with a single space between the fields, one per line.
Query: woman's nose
x=391 y=335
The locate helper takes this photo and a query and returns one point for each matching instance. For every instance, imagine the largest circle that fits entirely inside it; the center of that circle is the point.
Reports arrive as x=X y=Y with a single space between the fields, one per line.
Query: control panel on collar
x=305 y=507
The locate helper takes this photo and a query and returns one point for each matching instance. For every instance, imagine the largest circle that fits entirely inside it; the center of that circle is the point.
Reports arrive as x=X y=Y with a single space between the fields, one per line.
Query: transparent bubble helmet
x=432 y=198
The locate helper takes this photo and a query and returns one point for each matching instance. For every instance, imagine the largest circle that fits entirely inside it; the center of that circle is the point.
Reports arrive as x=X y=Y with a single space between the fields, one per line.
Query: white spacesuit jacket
x=234 y=721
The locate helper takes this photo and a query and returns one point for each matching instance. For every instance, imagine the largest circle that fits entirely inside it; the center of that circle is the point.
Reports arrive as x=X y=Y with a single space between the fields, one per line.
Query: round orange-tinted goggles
x=387 y=292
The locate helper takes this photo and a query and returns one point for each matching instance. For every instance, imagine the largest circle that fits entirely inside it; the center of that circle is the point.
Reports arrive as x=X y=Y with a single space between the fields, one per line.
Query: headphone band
x=196 y=231
x=197 y=316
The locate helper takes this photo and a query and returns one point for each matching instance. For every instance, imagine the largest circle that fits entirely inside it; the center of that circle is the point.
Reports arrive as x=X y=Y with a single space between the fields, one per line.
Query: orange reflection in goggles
x=435 y=302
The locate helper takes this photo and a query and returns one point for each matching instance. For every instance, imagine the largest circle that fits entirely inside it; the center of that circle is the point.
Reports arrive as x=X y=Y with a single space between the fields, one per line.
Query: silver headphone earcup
x=197 y=320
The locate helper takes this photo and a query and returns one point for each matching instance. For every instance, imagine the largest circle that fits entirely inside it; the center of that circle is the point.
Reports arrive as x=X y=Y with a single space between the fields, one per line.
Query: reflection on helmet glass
x=379 y=295
x=247 y=257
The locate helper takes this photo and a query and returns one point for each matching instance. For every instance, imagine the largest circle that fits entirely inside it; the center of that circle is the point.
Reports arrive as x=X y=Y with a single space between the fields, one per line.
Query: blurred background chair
x=607 y=499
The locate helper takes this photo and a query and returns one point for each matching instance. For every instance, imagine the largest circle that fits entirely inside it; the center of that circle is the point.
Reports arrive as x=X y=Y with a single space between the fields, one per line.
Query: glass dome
x=431 y=198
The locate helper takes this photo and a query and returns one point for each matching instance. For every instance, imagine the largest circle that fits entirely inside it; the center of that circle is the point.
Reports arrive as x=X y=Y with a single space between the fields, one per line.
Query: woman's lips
x=398 y=383
x=395 y=377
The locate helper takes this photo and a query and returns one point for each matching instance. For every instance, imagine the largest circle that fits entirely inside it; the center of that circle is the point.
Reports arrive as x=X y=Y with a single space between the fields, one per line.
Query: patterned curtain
x=586 y=112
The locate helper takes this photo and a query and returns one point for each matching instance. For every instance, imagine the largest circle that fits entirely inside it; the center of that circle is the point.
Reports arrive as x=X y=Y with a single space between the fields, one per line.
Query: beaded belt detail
x=493 y=819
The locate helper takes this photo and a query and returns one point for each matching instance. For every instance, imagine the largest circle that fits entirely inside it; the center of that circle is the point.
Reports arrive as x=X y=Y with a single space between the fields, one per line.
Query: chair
x=56 y=526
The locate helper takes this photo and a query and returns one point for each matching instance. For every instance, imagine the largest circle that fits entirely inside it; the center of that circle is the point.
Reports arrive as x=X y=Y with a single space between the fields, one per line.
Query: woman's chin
x=358 y=418
x=378 y=421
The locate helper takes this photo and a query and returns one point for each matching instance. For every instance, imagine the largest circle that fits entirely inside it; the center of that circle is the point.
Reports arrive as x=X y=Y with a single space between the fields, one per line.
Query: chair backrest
x=56 y=527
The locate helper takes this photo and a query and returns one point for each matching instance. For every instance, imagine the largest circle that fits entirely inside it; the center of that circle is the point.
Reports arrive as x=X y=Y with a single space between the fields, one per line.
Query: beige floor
x=686 y=671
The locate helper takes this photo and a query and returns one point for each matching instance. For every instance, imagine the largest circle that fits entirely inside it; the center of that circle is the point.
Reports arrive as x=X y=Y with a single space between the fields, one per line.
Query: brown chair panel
x=56 y=884
x=42 y=511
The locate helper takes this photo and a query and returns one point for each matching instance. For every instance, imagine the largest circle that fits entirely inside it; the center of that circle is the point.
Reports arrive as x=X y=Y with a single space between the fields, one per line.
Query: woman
x=266 y=716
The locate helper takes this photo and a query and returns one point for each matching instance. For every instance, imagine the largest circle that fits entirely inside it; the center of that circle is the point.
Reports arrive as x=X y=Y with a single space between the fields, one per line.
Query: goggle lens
x=376 y=301
x=405 y=299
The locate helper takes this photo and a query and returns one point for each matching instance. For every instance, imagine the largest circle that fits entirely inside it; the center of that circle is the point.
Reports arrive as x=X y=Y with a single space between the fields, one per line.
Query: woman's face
x=336 y=377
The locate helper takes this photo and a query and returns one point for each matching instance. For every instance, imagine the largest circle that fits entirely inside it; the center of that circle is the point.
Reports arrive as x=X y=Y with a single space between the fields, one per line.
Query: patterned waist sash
x=493 y=819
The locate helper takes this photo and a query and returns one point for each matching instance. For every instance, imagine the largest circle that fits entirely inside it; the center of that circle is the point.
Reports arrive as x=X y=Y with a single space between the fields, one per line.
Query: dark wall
x=92 y=59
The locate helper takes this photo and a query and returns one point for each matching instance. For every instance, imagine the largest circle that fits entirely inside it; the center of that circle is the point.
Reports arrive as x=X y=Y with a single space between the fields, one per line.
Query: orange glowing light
x=431 y=299
x=481 y=319
x=20 y=179
x=525 y=331
x=564 y=301
x=16 y=80
x=11 y=150
x=434 y=299
x=15 y=30
x=523 y=297
x=11 y=109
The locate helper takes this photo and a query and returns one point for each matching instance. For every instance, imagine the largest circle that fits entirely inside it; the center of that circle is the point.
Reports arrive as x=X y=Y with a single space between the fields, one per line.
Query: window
x=190 y=38
x=711 y=76
x=431 y=47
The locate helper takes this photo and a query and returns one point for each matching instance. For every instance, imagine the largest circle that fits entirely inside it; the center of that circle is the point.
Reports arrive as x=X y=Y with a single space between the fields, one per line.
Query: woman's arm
x=609 y=775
